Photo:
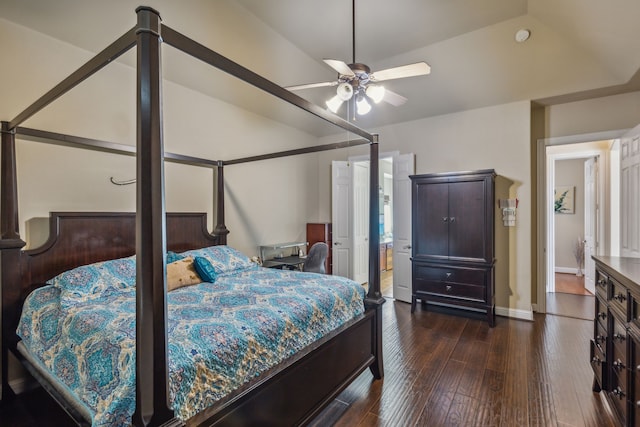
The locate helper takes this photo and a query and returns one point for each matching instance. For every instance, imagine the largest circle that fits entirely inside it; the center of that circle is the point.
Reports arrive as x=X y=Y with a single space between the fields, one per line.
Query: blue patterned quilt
x=221 y=335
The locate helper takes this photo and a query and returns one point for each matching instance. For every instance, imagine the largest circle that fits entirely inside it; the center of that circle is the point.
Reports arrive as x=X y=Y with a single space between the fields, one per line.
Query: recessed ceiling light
x=523 y=35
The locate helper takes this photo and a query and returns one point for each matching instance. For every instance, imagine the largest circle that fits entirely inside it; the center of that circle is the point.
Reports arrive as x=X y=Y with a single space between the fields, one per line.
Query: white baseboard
x=569 y=270
x=515 y=313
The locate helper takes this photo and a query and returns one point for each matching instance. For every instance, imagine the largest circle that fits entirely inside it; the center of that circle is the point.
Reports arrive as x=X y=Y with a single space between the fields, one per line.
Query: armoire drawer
x=465 y=276
x=451 y=290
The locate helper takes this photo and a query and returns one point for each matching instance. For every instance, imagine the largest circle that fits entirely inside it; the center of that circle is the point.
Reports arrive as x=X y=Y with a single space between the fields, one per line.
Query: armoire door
x=467 y=220
x=431 y=220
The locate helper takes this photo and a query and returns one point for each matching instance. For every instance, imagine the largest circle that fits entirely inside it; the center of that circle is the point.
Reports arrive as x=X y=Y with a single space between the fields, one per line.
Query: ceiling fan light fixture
x=375 y=92
x=344 y=91
x=334 y=104
x=362 y=106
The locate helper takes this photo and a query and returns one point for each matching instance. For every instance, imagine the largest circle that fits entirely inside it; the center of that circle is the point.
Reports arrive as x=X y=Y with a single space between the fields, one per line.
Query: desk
x=286 y=263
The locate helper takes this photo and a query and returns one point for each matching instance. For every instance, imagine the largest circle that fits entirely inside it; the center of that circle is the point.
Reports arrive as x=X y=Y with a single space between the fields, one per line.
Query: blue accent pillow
x=224 y=259
x=204 y=269
x=173 y=257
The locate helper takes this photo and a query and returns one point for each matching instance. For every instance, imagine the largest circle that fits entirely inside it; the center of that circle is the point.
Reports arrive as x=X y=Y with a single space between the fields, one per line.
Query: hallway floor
x=571 y=299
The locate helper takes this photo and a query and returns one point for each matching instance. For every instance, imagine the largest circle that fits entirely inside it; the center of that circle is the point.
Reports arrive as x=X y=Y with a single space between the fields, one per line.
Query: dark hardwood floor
x=443 y=370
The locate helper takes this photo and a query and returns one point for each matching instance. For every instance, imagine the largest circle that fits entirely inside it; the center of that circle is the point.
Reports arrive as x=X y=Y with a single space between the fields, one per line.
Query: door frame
x=601 y=199
x=542 y=241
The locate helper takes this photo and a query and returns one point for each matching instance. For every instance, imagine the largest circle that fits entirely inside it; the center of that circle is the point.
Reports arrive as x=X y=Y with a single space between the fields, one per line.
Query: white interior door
x=403 y=166
x=341 y=218
x=590 y=221
x=361 y=221
x=630 y=194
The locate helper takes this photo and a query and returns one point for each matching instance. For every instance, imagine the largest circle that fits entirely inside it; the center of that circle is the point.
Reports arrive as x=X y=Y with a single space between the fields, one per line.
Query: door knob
x=337 y=243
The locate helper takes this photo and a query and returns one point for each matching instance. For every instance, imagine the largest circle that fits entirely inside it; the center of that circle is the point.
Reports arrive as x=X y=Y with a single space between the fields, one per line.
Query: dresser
x=453 y=249
x=615 y=346
x=321 y=232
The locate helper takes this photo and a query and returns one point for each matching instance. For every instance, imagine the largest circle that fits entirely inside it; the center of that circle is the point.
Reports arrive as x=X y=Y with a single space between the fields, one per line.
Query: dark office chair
x=316 y=258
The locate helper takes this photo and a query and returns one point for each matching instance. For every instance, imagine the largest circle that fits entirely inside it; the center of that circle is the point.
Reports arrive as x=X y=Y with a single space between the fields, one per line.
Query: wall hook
x=125 y=182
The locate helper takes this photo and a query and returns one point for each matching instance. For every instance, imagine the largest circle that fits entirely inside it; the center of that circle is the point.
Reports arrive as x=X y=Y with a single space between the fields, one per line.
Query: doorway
x=576 y=200
x=394 y=221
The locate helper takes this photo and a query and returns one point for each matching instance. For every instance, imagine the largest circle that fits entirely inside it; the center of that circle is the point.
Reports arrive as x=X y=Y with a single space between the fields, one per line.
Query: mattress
x=80 y=330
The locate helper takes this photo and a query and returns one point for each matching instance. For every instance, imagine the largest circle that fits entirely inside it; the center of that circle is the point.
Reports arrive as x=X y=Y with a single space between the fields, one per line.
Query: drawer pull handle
x=452 y=219
x=601 y=338
x=619 y=337
x=448 y=275
x=617 y=364
x=596 y=360
x=638 y=403
x=445 y=219
x=448 y=288
x=620 y=297
x=602 y=282
x=618 y=392
x=602 y=315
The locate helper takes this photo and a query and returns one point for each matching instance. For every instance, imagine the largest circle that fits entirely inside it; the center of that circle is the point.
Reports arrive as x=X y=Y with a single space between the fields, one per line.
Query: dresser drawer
x=602 y=314
x=619 y=340
x=634 y=307
x=598 y=364
x=602 y=284
x=600 y=337
x=619 y=298
x=619 y=394
x=451 y=290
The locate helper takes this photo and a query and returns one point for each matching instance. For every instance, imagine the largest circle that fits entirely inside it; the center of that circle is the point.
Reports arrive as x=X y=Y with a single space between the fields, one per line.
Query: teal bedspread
x=81 y=327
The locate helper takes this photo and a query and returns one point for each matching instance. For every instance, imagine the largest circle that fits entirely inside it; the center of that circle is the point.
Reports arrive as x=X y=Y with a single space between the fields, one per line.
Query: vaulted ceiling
x=577 y=48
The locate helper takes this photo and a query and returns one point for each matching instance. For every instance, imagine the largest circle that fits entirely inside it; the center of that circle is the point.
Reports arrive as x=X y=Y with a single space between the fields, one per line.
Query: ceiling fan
x=357 y=81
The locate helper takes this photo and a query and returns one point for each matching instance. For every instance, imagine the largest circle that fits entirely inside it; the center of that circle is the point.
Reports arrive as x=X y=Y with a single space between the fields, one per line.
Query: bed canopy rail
x=152 y=398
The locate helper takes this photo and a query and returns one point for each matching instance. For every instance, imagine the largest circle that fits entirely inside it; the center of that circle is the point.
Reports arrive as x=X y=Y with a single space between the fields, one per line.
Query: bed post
x=10 y=247
x=374 y=298
x=152 y=373
x=221 y=229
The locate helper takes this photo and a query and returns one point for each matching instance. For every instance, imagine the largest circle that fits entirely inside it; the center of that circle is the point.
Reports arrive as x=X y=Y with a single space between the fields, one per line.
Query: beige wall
x=569 y=227
x=487 y=138
x=593 y=115
x=267 y=202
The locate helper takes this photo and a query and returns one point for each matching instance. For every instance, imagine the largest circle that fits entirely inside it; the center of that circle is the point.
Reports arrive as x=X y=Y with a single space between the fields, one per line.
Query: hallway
x=571 y=299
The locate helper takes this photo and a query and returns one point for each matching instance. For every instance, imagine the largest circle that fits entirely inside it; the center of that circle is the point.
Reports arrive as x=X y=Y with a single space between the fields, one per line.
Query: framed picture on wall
x=564 y=199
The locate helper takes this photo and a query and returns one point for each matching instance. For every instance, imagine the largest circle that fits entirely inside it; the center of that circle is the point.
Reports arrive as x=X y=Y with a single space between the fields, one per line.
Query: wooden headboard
x=80 y=238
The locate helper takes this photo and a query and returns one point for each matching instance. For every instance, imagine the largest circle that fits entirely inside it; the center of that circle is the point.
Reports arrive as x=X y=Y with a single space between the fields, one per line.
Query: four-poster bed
x=289 y=393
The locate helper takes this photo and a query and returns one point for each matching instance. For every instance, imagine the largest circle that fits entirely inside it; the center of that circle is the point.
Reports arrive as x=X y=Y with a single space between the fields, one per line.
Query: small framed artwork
x=564 y=199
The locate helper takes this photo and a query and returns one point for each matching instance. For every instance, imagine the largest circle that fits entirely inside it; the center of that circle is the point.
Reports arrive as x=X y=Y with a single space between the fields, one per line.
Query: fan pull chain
x=353 y=30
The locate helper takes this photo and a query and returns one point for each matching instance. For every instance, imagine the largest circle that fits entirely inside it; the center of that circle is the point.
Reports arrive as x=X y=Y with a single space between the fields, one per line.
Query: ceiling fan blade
x=393 y=98
x=311 y=85
x=417 y=69
x=341 y=67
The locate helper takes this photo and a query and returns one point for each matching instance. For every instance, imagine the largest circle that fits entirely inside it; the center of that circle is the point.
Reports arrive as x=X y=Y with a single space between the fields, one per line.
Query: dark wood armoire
x=321 y=232
x=453 y=247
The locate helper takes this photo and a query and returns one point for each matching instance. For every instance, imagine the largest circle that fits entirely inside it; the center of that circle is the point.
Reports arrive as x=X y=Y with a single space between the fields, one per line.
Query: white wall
x=569 y=227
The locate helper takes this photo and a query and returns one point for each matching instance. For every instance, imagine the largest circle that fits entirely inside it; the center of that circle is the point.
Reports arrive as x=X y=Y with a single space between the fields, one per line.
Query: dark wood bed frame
x=292 y=393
